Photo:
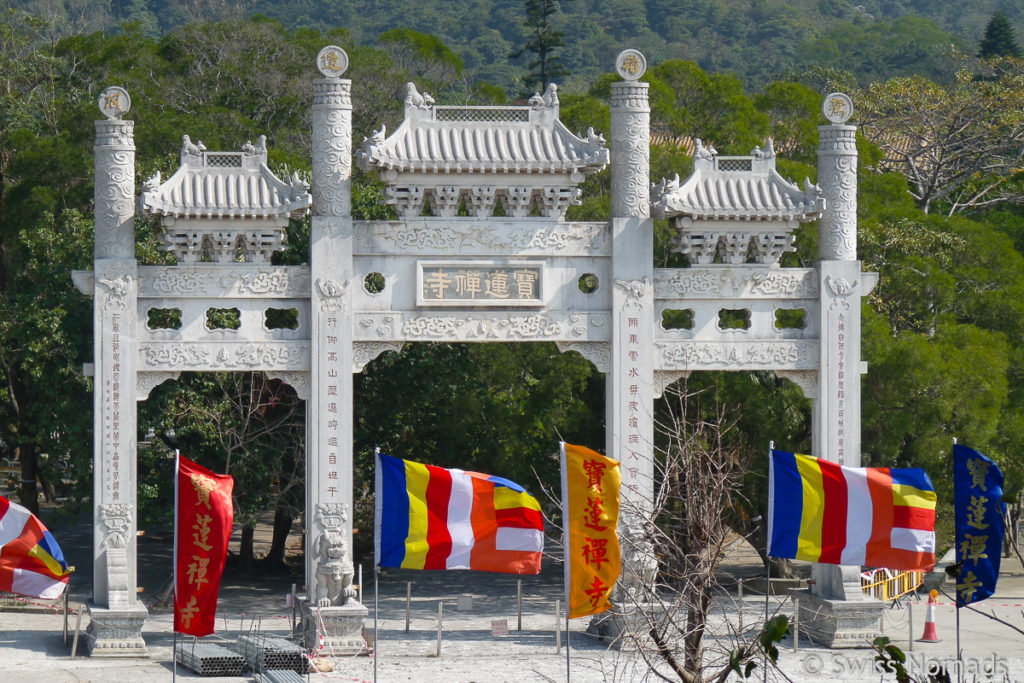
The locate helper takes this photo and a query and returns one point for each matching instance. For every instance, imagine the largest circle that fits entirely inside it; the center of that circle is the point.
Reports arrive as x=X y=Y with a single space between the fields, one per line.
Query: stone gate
x=513 y=269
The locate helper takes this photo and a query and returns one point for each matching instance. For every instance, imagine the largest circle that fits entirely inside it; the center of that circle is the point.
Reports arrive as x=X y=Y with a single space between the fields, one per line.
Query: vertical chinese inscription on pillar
x=843 y=288
x=331 y=305
x=332 y=369
x=636 y=399
x=632 y=471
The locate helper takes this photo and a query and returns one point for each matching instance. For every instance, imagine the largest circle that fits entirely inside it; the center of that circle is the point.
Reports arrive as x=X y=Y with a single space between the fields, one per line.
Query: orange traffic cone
x=930 y=636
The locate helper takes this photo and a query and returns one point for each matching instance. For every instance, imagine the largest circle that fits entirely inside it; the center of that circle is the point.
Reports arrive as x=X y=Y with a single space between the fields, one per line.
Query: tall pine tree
x=544 y=42
x=999 y=39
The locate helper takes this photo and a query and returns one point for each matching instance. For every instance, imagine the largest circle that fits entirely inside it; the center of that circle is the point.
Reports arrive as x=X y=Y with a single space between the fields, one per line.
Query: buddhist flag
x=978 y=503
x=430 y=517
x=202 y=528
x=820 y=511
x=31 y=563
x=590 y=514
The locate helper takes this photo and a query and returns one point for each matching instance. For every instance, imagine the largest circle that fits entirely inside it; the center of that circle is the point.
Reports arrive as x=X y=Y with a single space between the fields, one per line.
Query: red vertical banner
x=202 y=531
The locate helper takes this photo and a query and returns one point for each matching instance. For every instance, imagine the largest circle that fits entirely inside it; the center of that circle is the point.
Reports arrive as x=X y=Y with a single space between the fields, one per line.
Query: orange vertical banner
x=590 y=515
x=203 y=518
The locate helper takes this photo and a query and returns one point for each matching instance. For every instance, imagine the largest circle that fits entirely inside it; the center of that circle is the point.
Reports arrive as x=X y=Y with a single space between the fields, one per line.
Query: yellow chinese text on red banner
x=590 y=513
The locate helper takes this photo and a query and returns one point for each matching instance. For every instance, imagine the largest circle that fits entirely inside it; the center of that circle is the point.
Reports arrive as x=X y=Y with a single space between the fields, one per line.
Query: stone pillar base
x=340 y=627
x=627 y=628
x=839 y=623
x=116 y=632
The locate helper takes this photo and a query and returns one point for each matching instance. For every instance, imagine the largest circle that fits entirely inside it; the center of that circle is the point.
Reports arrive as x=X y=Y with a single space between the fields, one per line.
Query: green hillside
x=759 y=40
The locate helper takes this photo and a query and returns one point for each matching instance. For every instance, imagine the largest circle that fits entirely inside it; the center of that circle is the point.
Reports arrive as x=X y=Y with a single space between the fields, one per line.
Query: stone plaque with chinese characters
x=480 y=283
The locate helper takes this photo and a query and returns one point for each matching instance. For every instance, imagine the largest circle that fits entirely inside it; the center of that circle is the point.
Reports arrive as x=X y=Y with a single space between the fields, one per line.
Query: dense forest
x=940 y=219
x=758 y=40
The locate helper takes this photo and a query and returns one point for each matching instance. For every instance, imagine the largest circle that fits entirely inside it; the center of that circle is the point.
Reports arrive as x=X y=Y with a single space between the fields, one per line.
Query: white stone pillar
x=630 y=390
x=836 y=413
x=329 y=410
x=836 y=430
x=117 y=615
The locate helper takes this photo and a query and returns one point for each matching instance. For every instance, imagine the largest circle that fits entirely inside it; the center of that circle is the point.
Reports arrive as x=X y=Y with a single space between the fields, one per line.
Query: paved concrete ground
x=32 y=649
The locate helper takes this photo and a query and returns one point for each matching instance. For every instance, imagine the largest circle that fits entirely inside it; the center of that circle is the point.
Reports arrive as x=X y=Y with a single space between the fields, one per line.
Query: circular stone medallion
x=114 y=102
x=631 y=64
x=837 y=107
x=332 y=61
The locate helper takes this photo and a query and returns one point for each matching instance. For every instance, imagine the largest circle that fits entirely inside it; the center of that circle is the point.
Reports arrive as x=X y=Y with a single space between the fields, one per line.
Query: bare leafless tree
x=673 y=548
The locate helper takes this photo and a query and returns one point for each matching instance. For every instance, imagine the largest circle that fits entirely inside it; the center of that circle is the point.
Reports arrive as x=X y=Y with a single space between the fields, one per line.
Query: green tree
x=999 y=39
x=959 y=146
x=545 y=42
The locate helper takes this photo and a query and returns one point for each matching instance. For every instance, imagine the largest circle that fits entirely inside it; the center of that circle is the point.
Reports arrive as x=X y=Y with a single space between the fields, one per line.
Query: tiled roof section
x=738 y=188
x=225 y=185
x=435 y=139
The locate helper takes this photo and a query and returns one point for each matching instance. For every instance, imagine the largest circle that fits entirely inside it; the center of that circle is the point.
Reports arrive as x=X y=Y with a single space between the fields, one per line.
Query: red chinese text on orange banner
x=590 y=509
x=204 y=518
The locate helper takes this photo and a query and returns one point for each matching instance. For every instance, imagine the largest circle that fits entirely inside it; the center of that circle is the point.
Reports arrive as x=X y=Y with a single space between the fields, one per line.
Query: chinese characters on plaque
x=480 y=284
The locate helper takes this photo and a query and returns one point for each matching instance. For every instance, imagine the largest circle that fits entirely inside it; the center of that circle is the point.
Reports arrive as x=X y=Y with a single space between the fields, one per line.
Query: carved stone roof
x=736 y=188
x=436 y=139
x=232 y=185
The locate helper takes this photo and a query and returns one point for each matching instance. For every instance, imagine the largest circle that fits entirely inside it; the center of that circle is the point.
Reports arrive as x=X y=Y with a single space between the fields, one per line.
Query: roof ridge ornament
x=413 y=98
x=702 y=152
x=549 y=100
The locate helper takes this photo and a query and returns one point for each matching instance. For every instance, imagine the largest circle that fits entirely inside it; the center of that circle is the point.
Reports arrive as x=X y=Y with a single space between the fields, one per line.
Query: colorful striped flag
x=31 y=563
x=430 y=517
x=820 y=511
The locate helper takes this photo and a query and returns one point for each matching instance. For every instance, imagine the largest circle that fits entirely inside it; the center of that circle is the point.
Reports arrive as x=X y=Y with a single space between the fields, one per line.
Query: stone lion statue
x=334 y=570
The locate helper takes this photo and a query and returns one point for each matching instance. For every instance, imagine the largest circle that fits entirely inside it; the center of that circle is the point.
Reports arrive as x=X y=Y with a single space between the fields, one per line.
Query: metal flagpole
x=376 y=555
x=174 y=569
x=767 y=561
x=956 y=600
x=565 y=553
